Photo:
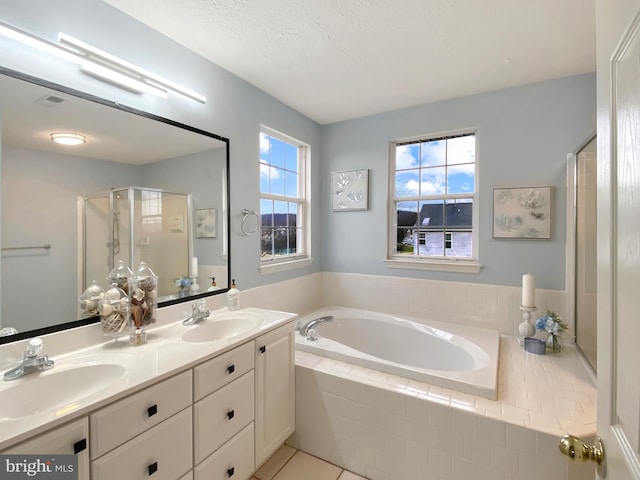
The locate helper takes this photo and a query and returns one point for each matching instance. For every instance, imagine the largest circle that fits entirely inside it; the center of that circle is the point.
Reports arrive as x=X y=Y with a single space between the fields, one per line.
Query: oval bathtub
x=447 y=355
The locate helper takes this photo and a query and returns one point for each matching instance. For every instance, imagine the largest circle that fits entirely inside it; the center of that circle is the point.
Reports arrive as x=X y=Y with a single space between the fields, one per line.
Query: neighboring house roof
x=459 y=215
x=432 y=216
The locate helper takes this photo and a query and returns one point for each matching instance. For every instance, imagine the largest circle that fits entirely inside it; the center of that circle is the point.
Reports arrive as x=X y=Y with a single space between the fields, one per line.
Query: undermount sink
x=223 y=326
x=55 y=391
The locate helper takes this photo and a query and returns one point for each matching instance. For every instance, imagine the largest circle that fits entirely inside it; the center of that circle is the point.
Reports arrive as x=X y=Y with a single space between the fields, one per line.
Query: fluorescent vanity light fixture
x=101 y=65
x=120 y=80
x=68 y=138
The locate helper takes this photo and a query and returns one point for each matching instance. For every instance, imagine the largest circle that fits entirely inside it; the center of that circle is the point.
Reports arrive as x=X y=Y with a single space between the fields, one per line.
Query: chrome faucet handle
x=199 y=306
x=199 y=312
x=34 y=348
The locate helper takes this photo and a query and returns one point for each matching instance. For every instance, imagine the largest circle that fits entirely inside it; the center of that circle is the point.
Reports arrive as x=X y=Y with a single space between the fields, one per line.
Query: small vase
x=553 y=343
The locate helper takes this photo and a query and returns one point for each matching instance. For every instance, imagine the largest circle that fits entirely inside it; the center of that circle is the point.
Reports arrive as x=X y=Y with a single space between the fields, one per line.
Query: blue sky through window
x=436 y=167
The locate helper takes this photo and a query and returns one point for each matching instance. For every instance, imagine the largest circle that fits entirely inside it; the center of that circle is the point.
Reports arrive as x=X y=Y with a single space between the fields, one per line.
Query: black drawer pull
x=79 y=446
x=152 y=410
x=153 y=468
x=230 y=414
x=231 y=369
x=230 y=472
x=263 y=349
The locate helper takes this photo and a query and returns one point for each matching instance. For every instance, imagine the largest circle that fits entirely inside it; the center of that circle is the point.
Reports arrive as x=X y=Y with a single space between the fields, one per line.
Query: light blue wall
x=524 y=135
x=235 y=109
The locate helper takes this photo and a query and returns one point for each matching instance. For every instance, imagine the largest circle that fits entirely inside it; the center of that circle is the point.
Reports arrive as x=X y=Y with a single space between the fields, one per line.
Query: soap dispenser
x=233 y=297
x=213 y=286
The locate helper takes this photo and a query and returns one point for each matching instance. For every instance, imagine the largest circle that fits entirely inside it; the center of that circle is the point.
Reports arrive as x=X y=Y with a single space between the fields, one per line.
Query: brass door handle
x=575 y=450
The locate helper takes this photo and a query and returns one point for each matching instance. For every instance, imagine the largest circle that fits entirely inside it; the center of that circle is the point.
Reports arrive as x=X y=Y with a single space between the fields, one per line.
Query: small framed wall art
x=350 y=190
x=522 y=212
x=205 y=223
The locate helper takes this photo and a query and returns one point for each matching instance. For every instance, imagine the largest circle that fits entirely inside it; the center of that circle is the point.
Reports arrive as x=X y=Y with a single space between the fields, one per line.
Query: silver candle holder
x=526 y=328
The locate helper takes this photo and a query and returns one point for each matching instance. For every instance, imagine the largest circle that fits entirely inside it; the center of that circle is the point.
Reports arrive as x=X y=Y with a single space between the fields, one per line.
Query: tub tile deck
x=551 y=394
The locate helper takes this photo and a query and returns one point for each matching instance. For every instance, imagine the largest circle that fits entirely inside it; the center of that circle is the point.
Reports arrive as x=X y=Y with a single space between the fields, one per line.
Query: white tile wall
x=489 y=306
x=383 y=431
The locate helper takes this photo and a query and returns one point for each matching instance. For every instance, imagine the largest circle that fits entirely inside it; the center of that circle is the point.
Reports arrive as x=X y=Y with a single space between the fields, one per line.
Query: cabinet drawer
x=124 y=419
x=222 y=414
x=162 y=453
x=188 y=476
x=67 y=439
x=219 y=371
x=234 y=460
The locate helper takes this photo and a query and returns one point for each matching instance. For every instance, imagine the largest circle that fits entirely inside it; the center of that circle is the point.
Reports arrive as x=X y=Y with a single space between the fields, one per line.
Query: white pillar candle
x=194 y=266
x=528 y=290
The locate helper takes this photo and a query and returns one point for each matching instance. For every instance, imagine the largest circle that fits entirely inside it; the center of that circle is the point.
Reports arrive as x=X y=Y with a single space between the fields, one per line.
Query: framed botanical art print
x=350 y=190
x=205 y=223
x=522 y=212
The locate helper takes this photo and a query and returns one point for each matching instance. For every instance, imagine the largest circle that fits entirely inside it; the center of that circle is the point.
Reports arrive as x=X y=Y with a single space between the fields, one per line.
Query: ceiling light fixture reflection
x=68 y=138
x=101 y=65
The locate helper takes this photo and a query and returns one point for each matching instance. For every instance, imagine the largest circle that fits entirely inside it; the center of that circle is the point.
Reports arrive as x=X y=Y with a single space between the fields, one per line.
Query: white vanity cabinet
x=66 y=439
x=219 y=419
x=223 y=415
x=275 y=390
x=161 y=453
x=146 y=434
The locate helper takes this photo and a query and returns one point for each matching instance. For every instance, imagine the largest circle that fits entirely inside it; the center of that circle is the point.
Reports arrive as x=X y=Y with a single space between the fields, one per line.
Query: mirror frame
x=134 y=111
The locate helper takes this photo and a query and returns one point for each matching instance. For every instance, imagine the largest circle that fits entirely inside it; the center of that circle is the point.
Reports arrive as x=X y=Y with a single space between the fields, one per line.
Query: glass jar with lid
x=144 y=301
x=90 y=300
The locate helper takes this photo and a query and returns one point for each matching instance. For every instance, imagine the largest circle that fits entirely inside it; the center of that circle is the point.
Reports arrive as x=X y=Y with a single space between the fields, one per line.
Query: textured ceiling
x=334 y=60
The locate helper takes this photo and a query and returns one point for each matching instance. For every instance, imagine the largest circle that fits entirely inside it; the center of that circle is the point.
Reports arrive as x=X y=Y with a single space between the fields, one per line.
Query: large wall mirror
x=140 y=188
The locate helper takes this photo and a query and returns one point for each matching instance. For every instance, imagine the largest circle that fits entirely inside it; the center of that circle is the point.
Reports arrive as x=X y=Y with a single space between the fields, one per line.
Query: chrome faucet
x=32 y=361
x=198 y=312
x=308 y=329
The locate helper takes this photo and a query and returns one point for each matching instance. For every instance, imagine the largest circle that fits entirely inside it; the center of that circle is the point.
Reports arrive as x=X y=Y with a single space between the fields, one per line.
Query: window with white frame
x=433 y=198
x=151 y=211
x=283 y=205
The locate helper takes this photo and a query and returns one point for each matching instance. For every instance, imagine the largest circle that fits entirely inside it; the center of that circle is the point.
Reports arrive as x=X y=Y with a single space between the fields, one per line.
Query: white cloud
x=467 y=169
x=264 y=143
x=433 y=187
x=266 y=171
x=404 y=159
x=461 y=149
x=412 y=186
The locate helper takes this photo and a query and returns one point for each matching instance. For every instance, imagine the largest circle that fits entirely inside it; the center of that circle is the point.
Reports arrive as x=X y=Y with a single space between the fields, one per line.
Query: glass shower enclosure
x=135 y=224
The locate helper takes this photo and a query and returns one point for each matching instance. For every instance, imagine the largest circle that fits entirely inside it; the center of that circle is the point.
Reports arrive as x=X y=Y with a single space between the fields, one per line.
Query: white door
x=618 y=65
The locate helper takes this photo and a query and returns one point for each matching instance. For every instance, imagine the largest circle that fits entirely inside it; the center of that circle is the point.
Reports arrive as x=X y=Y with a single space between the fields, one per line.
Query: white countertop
x=170 y=349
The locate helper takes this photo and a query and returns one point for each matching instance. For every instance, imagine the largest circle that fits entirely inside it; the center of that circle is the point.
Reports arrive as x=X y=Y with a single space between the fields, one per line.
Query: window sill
x=457 y=266
x=276 y=267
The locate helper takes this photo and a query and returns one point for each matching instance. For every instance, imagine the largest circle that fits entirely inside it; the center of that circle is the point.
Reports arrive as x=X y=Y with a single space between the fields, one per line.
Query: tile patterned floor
x=291 y=464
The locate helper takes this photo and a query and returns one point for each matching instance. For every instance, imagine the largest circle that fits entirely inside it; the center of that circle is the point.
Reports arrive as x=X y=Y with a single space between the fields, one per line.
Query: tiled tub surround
x=387 y=427
x=455 y=356
x=487 y=306
x=478 y=305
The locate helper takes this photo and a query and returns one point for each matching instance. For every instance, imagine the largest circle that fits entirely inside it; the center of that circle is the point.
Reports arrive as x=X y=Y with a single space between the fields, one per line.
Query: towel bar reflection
x=252 y=228
x=46 y=246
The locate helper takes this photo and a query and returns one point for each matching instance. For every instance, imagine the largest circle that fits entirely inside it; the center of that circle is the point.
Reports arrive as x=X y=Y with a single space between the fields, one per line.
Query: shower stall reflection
x=136 y=224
